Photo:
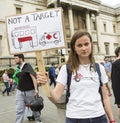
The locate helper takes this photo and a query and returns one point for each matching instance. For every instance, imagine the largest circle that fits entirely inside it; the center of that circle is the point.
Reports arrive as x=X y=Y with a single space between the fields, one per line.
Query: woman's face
x=83 y=47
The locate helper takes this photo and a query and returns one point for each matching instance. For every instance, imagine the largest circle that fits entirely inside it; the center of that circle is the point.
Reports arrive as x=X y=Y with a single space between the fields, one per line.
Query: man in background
x=26 y=89
x=108 y=66
x=115 y=77
x=52 y=74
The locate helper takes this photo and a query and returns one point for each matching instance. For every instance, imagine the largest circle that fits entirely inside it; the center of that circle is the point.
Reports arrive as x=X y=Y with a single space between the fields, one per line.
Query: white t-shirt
x=5 y=77
x=85 y=99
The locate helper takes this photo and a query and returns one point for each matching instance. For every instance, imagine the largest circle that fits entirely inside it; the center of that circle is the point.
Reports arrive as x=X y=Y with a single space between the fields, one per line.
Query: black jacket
x=25 y=82
x=115 y=77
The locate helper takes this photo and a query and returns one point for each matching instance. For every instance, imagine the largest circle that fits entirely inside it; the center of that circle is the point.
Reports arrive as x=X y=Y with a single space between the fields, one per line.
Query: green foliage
x=1 y=73
x=11 y=71
x=47 y=69
x=36 y=69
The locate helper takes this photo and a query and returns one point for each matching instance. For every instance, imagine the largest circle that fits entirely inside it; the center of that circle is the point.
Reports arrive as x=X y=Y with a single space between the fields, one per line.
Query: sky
x=111 y=2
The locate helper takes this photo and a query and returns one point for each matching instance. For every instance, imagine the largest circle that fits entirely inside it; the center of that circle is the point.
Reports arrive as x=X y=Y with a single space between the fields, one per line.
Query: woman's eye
x=86 y=44
x=79 y=45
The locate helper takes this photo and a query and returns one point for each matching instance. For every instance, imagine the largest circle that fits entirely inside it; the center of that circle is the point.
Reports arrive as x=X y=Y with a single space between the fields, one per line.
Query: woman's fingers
x=41 y=78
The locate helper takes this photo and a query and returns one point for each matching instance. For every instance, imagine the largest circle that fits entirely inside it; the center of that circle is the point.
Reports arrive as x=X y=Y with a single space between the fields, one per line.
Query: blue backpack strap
x=69 y=74
x=99 y=74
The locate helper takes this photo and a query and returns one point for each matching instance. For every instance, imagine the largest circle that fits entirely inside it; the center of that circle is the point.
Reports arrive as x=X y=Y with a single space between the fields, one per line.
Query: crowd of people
x=89 y=91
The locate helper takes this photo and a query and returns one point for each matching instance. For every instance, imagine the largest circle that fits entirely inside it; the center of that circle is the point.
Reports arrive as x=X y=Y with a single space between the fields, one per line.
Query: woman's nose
x=83 y=47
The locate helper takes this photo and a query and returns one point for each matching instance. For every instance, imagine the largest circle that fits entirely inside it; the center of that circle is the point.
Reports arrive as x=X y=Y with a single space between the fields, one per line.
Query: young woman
x=84 y=105
x=6 y=80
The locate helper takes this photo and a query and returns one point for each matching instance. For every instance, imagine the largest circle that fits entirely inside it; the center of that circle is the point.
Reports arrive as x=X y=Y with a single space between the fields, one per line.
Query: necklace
x=85 y=66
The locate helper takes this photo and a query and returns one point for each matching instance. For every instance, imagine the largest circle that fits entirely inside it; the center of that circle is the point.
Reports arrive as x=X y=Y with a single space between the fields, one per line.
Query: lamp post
x=58 y=3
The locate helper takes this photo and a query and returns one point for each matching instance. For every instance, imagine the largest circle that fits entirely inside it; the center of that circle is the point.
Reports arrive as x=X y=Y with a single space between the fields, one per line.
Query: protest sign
x=35 y=32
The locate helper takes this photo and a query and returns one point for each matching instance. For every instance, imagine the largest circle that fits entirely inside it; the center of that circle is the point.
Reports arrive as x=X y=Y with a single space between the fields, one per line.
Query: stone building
x=10 y=8
x=102 y=21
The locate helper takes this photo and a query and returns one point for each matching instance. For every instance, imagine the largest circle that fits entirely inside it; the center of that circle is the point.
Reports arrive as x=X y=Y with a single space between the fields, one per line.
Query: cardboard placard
x=36 y=31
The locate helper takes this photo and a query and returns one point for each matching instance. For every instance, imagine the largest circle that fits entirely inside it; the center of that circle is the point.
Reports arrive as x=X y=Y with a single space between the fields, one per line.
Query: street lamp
x=58 y=3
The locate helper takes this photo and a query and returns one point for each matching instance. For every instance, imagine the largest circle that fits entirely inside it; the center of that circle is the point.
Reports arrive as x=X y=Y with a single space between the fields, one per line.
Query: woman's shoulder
x=100 y=65
x=63 y=66
x=4 y=74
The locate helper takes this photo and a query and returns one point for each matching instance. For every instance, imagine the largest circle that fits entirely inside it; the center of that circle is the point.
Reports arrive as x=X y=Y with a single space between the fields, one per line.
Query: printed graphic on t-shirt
x=81 y=76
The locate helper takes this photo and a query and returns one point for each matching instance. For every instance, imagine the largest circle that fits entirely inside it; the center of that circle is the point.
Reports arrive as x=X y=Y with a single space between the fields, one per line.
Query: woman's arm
x=107 y=105
x=55 y=93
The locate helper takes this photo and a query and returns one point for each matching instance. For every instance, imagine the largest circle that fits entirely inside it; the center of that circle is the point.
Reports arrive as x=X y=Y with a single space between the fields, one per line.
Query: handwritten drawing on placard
x=36 y=31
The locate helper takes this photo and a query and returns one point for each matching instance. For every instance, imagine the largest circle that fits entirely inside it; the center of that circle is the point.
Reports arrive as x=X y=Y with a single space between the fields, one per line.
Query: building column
x=88 y=21
x=100 y=45
x=70 y=16
x=55 y=5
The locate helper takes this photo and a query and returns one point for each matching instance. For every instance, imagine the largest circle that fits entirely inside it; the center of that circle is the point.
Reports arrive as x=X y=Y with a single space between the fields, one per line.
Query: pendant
x=77 y=79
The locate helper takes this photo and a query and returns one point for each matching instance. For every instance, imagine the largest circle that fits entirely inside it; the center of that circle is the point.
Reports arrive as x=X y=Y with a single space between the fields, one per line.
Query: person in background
x=102 y=63
x=52 y=75
x=15 y=79
x=6 y=80
x=10 y=84
x=115 y=77
x=14 y=86
x=10 y=81
x=57 y=69
x=108 y=66
x=27 y=88
x=85 y=104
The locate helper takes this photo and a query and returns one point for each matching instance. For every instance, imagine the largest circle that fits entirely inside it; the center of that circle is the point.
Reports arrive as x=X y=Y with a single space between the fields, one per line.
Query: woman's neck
x=85 y=61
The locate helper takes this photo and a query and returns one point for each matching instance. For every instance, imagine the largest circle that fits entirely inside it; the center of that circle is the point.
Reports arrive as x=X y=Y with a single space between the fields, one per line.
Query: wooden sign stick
x=41 y=67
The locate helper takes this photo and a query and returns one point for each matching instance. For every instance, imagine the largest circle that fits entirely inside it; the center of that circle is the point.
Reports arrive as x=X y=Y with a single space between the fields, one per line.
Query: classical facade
x=102 y=21
x=10 y=8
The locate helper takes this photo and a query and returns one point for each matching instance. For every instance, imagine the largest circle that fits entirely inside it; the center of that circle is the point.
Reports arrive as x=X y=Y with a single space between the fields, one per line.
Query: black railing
x=10 y=62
